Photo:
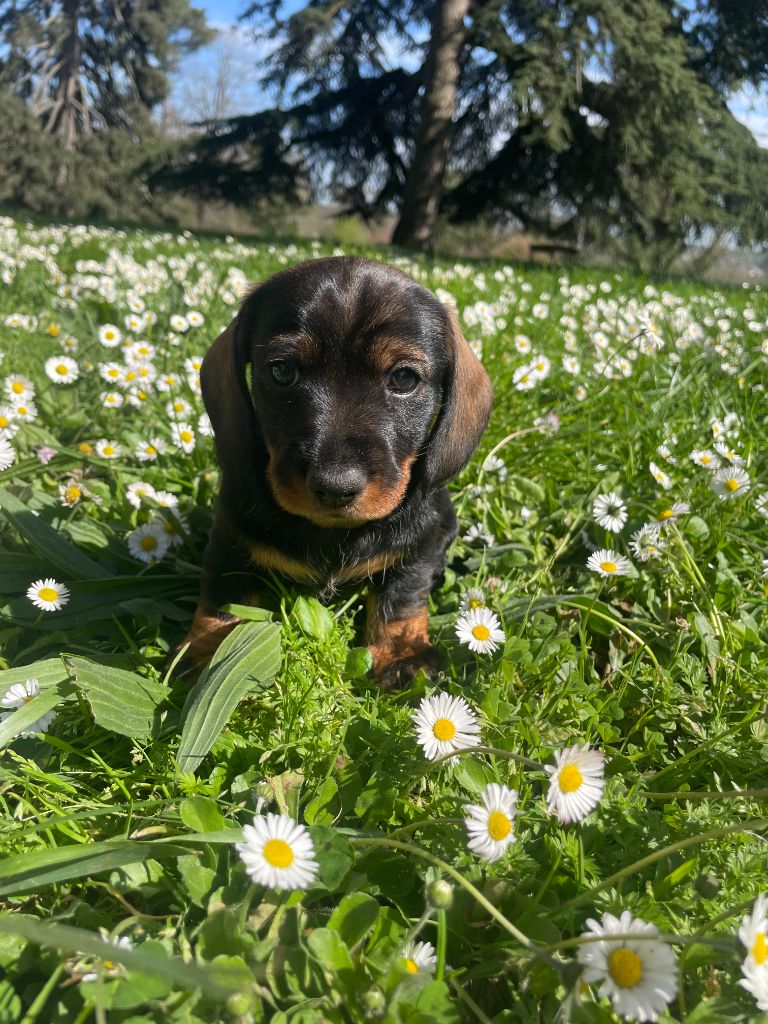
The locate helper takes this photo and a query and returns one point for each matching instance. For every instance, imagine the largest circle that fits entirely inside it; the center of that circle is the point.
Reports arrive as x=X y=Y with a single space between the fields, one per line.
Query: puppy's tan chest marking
x=265 y=557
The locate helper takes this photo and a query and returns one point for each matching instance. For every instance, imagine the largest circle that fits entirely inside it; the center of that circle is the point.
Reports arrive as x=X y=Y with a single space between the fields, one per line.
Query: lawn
x=615 y=523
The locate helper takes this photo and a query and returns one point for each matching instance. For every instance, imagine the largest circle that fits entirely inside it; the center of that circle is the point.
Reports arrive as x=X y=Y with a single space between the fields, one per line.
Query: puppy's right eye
x=284 y=372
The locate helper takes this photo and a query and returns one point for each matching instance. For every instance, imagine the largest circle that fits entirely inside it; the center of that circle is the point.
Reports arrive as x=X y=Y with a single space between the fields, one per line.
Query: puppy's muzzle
x=336 y=485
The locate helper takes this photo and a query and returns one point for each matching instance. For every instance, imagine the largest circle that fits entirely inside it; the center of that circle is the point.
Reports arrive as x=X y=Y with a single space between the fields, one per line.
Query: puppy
x=342 y=397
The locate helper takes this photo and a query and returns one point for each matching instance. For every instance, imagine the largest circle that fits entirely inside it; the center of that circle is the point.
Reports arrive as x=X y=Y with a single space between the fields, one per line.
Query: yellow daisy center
x=62 y=370
x=625 y=967
x=499 y=826
x=608 y=566
x=17 y=388
x=148 y=543
x=4 y=421
x=570 y=779
x=731 y=485
x=278 y=853
x=109 y=964
x=85 y=448
x=666 y=514
x=444 y=729
x=109 y=335
x=130 y=375
x=705 y=459
x=185 y=436
x=481 y=632
x=411 y=966
x=72 y=493
x=151 y=450
x=476 y=603
x=47 y=594
x=760 y=948
x=108 y=449
x=22 y=410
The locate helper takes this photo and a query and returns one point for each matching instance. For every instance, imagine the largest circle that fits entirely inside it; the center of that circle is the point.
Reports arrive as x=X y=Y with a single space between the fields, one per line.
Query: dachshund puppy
x=342 y=397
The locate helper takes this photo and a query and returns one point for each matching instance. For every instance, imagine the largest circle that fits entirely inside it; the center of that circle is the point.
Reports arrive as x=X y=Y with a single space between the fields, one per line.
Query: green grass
x=119 y=821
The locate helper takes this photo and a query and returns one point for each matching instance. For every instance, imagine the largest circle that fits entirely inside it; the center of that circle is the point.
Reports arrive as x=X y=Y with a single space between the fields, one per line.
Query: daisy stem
x=719 y=942
x=694 y=573
x=617 y=624
x=246 y=906
x=466 y=998
x=42 y=997
x=485 y=903
x=731 y=794
x=753 y=825
x=442 y=938
x=491 y=750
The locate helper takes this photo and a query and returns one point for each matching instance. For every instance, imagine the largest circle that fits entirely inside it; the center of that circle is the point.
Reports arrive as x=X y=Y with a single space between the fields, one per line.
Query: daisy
x=108 y=449
x=661 y=478
x=278 y=853
x=707 y=460
x=490 y=824
x=7 y=454
x=61 y=369
x=48 y=595
x=110 y=336
x=646 y=542
x=753 y=933
x=195 y=318
x=111 y=399
x=638 y=975
x=8 y=425
x=148 y=543
x=148 y=451
x=765 y=568
x=418 y=957
x=445 y=724
x=575 y=783
x=524 y=379
x=761 y=503
x=480 y=630
x=173 y=524
x=730 y=482
x=608 y=563
x=20 y=694
x=70 y=494
x=165 y=499
x=179 y=322
x=183 y=436
x=204 y=425
x=473 y=598
x=610 y=512
x=523 y=344
x=178 y=408
x=19 y=388
x=722 y=448
x=755 y=981
x=25 y=411
x=136 y=492
x=673 y=512
x=108 y=967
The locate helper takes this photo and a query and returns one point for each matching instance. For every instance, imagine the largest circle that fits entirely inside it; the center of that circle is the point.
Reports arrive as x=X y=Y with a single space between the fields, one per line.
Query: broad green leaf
x=333 y=853
x=10 y=1003
x=121 y=701
x=17 y=571
x=201 y=814
x=27 y=872
x=354 y=917
x=219 y=981
x=472 y=774
x=313 y=618
x=246 y=662
x=22 y=718
x=331 y=951
x=197 y=878
x=49 y=543
x=245 y=611
x=317 y=811
x=47 y=673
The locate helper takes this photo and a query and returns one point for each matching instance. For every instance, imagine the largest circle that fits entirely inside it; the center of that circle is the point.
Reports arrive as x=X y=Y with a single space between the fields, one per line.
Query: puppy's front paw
x=398 y=673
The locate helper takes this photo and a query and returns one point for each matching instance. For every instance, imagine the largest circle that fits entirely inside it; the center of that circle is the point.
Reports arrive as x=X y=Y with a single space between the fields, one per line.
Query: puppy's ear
x=227 y=400
x=466 y=406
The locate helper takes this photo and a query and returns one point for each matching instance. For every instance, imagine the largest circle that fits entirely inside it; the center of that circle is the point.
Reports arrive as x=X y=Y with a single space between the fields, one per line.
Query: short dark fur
x=337 y=477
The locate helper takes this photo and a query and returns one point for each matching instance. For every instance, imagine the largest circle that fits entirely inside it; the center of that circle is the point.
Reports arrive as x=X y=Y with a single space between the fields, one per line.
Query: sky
x=244 y=57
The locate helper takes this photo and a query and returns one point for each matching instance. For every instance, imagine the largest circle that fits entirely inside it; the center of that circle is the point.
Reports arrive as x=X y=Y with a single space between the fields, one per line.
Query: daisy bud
x=374 y=1003
x=440 y=894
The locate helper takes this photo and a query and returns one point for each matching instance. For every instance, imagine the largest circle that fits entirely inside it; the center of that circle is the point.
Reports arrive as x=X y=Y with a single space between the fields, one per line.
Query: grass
x=118 y=823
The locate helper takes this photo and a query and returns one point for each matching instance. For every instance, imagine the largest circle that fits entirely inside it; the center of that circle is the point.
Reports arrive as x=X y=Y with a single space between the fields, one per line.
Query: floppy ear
x=467 y=403
x=227 y=400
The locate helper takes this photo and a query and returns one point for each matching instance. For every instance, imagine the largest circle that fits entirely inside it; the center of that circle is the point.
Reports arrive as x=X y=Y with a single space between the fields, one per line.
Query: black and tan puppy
x=343 y=397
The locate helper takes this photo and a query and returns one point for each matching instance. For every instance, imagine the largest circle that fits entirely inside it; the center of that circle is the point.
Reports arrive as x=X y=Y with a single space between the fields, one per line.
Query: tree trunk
x=67 y=112
x=424 y=184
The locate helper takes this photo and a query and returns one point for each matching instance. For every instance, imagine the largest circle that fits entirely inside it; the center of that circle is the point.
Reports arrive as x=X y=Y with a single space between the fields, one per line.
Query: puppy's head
x=361 y=385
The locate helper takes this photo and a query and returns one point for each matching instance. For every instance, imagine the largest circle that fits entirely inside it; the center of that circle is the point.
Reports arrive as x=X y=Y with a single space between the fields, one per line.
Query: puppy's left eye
x=284 y=372
x=403 y=380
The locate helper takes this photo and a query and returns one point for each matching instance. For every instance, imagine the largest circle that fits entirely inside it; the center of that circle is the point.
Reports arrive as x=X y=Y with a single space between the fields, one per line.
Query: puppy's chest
x=326 y=571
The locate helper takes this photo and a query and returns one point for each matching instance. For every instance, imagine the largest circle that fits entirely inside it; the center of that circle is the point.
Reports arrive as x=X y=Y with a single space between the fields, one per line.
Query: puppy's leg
x=396 y=628
x=227 y=579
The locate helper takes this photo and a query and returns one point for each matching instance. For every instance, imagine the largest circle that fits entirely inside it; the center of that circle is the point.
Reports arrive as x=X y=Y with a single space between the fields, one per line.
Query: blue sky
x=749 y=107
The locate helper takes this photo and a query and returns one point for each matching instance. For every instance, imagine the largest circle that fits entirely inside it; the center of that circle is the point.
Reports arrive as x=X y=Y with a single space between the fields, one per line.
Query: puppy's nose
x=336 y=485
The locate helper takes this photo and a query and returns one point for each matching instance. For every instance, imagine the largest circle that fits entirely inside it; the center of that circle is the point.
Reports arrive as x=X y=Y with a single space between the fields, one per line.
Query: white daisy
x=480 y=630
x=673 y=512
x=705 y=459
x=148 y=451
x=610 y=512
x=445 y=724
x=646 y=543
x=7 y=454
x=71 y=493
x=61 y=369
x=148 y=543
x=730 y=482
x=765 y=568
x=108 y=449
x=204 y=425
x=761 y=503
x=25 y=411
x=136 y=492
x=490 y=824
x=19 y=388
x=661 y=478
x=109 y=968
x=183 y=436
x=110 y=336
x=638 y=975
x=753 y=933
x=472 y=598
x=278 y=853
x=608 y=563
x=755 y=981
x=48 y=595
x=111 y=399
x=8 y=424
x=575 y=783
x=20 y=694
x=418 y=957
x=166 y=499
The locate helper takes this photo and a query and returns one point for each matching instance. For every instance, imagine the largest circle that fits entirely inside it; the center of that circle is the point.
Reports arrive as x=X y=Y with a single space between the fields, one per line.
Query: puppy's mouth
x=375 y=501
